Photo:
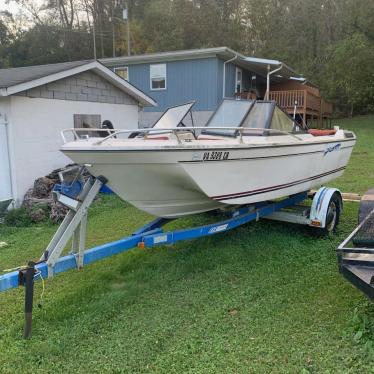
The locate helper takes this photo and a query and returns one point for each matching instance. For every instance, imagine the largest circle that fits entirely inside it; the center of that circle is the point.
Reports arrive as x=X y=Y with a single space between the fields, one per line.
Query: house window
x=123 y=72
x=87 y=121
x=158 y=77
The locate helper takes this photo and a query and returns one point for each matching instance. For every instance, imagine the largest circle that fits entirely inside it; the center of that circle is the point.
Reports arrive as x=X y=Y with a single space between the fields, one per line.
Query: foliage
x=359 y=176
x=17 y=218
x=361 y=328
x=351 y=65
x=330 y=41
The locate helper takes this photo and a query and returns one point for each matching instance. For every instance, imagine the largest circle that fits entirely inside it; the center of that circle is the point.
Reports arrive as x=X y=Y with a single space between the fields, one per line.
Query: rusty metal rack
x=356 y=252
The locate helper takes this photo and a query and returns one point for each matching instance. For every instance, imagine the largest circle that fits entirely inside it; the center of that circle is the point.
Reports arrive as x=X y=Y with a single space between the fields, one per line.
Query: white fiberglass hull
x=173 y=180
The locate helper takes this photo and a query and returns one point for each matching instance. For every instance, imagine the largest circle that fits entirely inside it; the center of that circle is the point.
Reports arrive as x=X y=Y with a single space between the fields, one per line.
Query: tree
x=349 y=77
x=329 y=41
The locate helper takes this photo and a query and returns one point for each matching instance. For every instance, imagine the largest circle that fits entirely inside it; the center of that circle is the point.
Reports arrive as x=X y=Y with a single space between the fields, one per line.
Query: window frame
x=123 y=68
x=238 y=70
x=150 y=78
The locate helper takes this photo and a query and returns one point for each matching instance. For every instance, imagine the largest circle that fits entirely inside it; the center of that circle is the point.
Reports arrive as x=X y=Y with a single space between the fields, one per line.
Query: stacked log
x=38 y=200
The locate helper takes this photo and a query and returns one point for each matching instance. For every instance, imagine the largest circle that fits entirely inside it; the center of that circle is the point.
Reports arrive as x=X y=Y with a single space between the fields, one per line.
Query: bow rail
x=174 y=131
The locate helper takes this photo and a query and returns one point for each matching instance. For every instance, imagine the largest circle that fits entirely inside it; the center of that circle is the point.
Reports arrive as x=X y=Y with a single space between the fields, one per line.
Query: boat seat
x=157 y=138
x=319 y=132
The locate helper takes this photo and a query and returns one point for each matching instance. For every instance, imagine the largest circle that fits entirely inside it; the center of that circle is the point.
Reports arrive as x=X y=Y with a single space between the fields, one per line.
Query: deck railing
x=306 y=102
x=288 y=99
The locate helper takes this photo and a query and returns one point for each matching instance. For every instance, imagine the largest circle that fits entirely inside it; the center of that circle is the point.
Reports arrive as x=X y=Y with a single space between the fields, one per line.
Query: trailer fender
x=320 y=205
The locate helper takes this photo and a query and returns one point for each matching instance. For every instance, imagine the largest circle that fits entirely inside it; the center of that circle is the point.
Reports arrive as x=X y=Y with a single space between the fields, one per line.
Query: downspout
x=6 y=125
x=224 y=75
x=268 y=80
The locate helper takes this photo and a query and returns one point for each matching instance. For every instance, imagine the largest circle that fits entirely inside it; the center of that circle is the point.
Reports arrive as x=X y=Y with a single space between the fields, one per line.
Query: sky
x=10 y=6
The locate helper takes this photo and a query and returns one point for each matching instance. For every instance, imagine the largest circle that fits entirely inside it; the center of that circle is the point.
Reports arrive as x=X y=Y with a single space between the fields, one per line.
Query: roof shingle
x=13 y=76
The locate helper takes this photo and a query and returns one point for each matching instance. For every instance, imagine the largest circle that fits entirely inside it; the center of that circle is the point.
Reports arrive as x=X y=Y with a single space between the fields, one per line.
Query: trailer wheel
x=332 y=214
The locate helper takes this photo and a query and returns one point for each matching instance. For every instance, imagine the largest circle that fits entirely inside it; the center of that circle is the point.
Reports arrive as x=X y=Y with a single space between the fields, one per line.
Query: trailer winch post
x=27 y=279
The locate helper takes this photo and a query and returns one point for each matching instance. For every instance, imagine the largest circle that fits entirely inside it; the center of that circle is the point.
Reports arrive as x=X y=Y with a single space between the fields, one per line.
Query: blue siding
x=230 y=80
x=185 y=81
x=219 y=80
x=194 y=79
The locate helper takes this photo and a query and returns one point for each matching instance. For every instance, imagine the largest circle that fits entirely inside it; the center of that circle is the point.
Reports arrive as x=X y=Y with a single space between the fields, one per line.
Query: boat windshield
x=260 y=115
x=173 y=116
x=281 y=121
x=251 y=115
x=266 y=115
x=231 y=113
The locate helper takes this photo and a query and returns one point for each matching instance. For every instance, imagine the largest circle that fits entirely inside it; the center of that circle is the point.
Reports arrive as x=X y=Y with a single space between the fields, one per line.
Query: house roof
x=16 y=80
x=223 y=52
x=254 y=64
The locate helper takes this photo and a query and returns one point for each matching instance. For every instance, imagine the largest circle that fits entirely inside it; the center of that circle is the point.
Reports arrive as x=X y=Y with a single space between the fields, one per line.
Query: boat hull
x=172 y=182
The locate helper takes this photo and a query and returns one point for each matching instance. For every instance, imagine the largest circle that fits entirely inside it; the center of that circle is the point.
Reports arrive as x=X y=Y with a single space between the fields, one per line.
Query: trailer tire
x=333 y=214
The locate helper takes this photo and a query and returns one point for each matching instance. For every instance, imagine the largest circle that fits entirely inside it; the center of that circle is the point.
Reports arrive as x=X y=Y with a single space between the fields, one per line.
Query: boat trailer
x=356 y=252
x=323 y=214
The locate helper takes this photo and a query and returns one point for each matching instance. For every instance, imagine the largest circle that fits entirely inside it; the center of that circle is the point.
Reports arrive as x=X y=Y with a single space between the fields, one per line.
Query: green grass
x=266 y=297
x=359 y=176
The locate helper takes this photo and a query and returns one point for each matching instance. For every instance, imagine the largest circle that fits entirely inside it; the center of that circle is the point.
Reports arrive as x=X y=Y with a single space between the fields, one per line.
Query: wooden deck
x=309 y=105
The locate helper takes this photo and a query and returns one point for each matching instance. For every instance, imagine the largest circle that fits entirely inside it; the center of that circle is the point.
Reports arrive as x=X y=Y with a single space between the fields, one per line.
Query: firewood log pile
x=38 y=200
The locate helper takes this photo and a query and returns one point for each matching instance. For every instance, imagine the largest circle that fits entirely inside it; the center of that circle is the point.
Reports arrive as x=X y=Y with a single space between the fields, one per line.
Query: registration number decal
x=215 y=156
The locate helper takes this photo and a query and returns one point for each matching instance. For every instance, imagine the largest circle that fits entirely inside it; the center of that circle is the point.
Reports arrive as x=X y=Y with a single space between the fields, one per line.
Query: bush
x=17 y=217
x=39 y=212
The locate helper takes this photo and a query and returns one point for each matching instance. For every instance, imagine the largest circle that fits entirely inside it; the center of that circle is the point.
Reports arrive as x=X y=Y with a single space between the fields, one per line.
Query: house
x=37 y=102
x=208 y=75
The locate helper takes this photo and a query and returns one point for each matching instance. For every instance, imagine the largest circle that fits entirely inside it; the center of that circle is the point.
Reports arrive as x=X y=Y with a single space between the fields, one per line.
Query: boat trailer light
x=315 y=223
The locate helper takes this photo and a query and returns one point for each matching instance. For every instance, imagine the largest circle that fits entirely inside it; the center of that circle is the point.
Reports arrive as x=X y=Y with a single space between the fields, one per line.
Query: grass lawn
x=359 y=176
x=266 y=297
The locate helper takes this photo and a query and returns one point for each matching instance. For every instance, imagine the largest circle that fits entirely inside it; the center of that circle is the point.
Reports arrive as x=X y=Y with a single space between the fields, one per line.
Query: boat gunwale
x=188 y=147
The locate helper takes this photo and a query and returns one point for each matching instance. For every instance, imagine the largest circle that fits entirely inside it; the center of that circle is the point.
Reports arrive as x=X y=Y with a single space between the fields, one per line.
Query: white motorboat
x=249 y=151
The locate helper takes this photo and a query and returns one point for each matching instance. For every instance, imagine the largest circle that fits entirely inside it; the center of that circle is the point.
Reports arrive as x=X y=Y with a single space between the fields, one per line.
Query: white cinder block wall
x=35 y=126
x=35 y=123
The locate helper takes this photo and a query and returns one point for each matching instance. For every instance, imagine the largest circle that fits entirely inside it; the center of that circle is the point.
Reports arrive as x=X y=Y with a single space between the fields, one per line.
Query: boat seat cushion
x=318 y=132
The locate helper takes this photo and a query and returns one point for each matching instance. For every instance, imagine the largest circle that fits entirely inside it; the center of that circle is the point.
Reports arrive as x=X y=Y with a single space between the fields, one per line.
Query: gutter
x=224 y=74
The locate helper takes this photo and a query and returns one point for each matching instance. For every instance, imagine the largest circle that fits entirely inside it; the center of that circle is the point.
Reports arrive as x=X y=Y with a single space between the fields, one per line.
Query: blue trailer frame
x=151 y=235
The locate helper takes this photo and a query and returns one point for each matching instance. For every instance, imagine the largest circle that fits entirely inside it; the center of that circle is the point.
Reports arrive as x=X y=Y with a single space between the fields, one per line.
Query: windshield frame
x=222 y=133
x=192 y=103
x=268 y=122
x=266 y=127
